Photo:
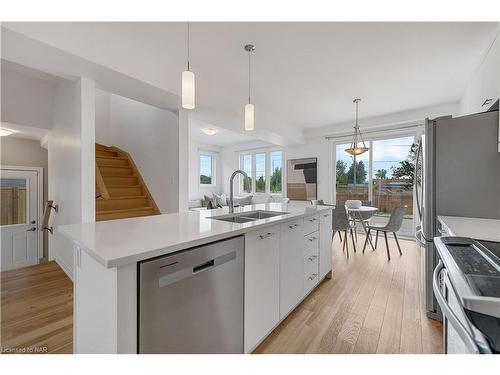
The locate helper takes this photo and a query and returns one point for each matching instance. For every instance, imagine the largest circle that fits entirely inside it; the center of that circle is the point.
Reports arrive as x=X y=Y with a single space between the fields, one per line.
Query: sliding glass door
x=383 y=177
x=352 y=175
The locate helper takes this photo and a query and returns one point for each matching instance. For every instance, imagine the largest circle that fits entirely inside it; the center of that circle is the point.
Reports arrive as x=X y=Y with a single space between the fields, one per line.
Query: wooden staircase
x=120 y=190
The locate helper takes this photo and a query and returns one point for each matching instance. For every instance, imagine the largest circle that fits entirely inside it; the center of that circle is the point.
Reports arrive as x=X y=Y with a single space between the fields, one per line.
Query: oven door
x=458 y=333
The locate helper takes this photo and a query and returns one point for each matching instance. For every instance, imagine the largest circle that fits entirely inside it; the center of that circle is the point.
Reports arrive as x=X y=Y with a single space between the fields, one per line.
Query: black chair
x=393 y=225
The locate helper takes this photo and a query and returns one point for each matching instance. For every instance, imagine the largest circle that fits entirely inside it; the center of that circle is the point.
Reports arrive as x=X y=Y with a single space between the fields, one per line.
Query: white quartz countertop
x=120 y=242
x=477 y=228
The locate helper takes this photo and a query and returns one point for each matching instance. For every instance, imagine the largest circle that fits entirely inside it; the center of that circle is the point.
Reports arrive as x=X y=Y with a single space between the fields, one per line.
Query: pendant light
x=249 y=107
x=356 y=148
x=188 y=92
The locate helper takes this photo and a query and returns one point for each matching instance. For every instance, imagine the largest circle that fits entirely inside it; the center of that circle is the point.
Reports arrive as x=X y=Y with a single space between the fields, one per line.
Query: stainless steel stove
x=467 y=287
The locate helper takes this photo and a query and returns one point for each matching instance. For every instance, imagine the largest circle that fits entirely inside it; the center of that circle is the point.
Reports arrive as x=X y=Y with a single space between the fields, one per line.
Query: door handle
x=31 y=229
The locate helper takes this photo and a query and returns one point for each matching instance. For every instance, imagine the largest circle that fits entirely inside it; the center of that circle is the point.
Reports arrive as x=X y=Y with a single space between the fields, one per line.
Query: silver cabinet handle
x=267 y=235
x=462 y=331
x=313 y=276
x=327 y=215
x=310 y=259
x=312 y=239
x=31 y=229
x=443 y=232
x=313 y=220
x=293 y=226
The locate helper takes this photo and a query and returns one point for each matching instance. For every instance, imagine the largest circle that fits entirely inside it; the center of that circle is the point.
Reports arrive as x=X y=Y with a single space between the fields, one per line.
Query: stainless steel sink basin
x=234 y=219
x=245 y=217
x=262 y=214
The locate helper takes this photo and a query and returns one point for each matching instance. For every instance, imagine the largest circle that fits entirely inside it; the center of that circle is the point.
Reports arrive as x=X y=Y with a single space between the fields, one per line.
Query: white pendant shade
x=188 y=92
x=249 y=117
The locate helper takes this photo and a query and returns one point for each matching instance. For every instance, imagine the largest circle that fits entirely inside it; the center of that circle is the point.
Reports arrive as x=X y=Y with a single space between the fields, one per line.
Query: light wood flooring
x=370 y=305
x=36 y=310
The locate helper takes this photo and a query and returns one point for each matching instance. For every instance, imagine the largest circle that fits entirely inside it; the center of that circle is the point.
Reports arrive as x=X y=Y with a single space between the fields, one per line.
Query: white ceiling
x=223 y=137
x=305 y=75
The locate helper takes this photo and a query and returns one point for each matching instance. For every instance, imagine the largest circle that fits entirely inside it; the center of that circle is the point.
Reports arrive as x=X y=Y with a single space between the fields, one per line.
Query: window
x=14 y=201
x=276 y=168
x=264 y=170
x=352 y=175
x=260 y=173
x=207 y=169
x=246 y=166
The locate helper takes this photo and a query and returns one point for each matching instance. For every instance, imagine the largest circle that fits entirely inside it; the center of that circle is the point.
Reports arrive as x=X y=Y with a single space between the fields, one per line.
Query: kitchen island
x=289 y=254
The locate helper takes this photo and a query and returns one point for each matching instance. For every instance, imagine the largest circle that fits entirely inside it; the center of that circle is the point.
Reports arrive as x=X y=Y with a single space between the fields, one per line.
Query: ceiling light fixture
x=188 y=89
x=210 y=131
x=355 y=148
x=5 y=132
x=249 y=107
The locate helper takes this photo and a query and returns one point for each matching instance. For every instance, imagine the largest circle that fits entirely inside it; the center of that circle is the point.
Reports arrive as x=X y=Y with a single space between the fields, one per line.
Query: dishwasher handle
x=204 y=266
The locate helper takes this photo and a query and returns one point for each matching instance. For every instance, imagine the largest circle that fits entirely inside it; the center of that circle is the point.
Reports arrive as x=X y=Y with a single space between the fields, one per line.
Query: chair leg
x=366 y=240
x=397 y=242
x=352 y=238
x=346 y=243
x=333 y=234
x=387 y=246
x=376 y=240
x=356 y=231
x=340 y=236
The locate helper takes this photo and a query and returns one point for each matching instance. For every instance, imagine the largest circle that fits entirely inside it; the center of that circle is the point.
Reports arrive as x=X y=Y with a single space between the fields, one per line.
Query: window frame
x=213 y=160
x=267 y=172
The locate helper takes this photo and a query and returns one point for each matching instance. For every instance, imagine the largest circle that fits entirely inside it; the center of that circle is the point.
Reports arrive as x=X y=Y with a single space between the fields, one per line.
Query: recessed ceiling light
x=209 y=131
x=5 y=132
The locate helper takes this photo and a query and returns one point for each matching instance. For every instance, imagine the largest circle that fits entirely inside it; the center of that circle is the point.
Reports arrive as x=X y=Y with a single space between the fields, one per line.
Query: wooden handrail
x=103 y=190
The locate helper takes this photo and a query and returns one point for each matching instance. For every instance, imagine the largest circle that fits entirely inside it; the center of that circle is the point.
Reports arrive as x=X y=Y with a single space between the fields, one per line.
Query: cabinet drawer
x=311 y=243
x=269 y=234
x=310 y=281
x=292 y=226
x=311 y=224
x=311 y=264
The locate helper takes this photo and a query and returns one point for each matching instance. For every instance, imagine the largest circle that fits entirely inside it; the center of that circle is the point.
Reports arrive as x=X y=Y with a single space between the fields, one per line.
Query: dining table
x=357 y=215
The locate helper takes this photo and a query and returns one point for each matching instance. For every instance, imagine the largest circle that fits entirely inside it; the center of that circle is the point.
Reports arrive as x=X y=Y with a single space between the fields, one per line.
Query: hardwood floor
x=370 y=305
x=36 y=310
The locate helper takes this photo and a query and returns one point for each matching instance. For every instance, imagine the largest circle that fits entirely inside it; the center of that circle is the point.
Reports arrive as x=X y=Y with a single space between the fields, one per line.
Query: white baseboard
x=67 y=269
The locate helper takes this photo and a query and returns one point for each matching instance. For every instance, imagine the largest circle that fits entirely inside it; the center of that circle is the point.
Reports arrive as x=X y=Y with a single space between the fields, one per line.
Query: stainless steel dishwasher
x=192 y=301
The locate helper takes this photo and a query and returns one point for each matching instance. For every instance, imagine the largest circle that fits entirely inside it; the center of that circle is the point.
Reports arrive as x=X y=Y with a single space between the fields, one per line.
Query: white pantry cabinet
x=325 y=243
x=291 y=265
x=262 y=284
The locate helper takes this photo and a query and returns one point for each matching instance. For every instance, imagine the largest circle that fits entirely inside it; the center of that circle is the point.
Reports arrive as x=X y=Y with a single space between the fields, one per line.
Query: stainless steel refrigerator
x=457 y=173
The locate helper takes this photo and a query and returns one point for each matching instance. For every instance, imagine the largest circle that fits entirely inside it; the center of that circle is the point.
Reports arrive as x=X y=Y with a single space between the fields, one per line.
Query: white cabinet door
x=291 y=265
x=261 y=284
x=325 y=243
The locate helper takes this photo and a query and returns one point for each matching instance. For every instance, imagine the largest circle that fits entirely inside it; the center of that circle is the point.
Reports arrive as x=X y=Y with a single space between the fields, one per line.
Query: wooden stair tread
x=112 y=157
x=125 y=210
x=127 y=197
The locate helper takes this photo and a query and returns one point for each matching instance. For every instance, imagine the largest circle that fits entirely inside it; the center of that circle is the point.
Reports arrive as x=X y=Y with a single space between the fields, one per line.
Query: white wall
x=197 y=191
x=485 y=83
x=27 y=99
x=150 y=135
x=70 y=164
x=315 y=148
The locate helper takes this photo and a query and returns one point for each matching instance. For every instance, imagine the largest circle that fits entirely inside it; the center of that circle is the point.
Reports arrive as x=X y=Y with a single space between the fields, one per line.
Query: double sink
x=245 y=217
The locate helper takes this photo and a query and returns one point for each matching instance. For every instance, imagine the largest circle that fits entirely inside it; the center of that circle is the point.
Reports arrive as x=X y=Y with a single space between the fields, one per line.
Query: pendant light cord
x=188 y=46
x=249 y=76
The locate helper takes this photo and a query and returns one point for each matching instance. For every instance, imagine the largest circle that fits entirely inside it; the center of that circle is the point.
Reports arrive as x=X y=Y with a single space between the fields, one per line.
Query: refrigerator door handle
x=417 y=158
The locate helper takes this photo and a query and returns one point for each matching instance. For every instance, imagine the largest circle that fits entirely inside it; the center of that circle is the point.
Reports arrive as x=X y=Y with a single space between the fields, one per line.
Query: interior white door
x=19 y=218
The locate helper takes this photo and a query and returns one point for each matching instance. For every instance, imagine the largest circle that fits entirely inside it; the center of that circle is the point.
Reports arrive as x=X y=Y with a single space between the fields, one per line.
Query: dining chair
x=393 y=225
x=317 y=202
x=341 y=223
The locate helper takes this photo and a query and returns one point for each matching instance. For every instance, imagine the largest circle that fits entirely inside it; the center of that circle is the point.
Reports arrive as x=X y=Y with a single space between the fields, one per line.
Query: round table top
x=363 y=208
